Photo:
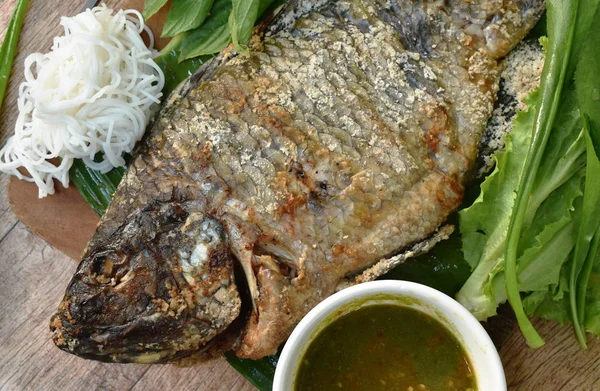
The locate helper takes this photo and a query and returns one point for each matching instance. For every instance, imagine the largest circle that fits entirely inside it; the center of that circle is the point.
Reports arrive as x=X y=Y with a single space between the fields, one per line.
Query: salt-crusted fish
x=329 y=154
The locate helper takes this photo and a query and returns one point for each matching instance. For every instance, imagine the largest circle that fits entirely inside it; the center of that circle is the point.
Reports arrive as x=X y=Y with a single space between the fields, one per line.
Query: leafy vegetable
x=186 y=15
x=587 y=80
x=9 y=45
x=484 y=224
x=562 y=18
x=592 y=309
x=151 y=7
x=241 y=22
x=588 y=237
x=212 y=37
x=536 y=243
x=208 y=26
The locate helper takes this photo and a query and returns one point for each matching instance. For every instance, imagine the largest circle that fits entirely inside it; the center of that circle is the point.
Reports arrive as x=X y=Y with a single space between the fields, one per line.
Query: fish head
x=160 y=288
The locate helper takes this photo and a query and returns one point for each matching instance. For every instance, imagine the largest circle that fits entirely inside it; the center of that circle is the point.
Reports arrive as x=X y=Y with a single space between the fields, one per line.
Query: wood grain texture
x=33 y=276
x=64 y=219
x=559 y=365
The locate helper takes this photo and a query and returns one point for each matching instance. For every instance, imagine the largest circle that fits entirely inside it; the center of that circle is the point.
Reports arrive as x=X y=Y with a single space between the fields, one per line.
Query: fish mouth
x=162 y=288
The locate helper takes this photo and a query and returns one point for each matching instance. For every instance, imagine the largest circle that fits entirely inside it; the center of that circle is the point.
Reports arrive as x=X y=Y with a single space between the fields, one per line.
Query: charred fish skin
x=343 y=138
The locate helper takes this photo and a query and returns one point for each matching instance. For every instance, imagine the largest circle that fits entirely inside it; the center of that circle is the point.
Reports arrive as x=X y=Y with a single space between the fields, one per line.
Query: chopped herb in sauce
x=385 y=347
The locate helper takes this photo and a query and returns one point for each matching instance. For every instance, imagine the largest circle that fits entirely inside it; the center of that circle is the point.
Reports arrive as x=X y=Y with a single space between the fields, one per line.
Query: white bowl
x=478 y=346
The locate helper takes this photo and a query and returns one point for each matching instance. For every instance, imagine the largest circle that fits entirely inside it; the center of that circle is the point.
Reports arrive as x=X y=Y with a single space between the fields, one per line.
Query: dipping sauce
x=385 y=347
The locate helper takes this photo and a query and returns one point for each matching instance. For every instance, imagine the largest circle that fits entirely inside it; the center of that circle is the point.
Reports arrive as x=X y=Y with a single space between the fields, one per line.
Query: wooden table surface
x=33 y=276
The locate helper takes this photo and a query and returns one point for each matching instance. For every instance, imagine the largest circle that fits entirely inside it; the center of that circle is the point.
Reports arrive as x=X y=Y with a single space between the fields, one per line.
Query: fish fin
x=385 y=265
x=241 y=242
x=273 y=320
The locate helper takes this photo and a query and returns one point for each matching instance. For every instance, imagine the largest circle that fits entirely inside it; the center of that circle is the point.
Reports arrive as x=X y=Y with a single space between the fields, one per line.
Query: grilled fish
x=330 y=153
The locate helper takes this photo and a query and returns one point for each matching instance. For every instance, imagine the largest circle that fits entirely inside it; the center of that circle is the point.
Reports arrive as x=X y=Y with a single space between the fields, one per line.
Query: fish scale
x=329 y=153
x=328 y=127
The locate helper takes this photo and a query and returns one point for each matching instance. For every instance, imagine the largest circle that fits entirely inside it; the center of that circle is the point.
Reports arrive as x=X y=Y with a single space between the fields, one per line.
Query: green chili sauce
x=385 y=347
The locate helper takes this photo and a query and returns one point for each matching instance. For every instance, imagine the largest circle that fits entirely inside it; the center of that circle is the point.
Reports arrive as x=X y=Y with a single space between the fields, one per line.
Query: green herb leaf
x=151 y=7
x=241 y=22
x=548 y=237
x=592 y=309
x=185 y=15
x=562 y=19
x=552 y=237
x=483 y=227
x=588 y=237
x=9 y=45
x=587 y=20
x=212 y=37
x=587 y=80
x=564 y=155
x=547 y=211
x=552 y=304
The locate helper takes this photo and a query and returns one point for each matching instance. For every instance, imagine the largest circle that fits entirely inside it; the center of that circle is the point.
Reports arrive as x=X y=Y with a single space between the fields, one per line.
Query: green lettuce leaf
x=563 y=21
x=540 y=263
x=592 y=308
x=588 y=237
x=587 y=240
x=484 y=224
x=556 y=259
x=549 y=233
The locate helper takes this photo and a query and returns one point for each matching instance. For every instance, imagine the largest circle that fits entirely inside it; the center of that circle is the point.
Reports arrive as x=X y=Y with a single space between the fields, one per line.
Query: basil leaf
x=241 y=22
x=212 y=37
x=186 y=15
x=151 y=7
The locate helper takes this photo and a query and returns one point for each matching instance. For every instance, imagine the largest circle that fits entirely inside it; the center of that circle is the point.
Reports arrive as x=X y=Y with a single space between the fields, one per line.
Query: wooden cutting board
x=64 y=219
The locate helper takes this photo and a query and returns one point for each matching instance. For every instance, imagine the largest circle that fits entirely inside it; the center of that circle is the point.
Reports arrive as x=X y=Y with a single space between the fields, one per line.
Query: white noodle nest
x=95 y=91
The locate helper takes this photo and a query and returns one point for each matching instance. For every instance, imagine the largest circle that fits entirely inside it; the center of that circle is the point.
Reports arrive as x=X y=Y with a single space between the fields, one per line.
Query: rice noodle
x=95 y=91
